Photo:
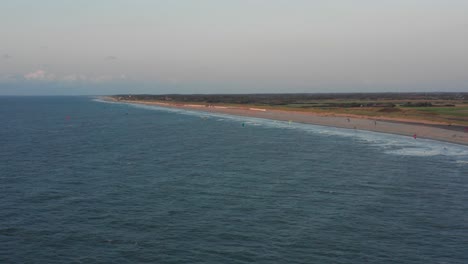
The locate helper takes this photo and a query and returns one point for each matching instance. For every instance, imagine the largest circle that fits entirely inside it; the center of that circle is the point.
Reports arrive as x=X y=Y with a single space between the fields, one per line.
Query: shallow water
x=87 y=181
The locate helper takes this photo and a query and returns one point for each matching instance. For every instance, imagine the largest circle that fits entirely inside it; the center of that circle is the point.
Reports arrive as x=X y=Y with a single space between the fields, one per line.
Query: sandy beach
x=410 y=128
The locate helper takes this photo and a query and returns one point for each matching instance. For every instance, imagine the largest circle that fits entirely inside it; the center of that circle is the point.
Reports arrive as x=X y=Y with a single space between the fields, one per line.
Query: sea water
x=85 y=181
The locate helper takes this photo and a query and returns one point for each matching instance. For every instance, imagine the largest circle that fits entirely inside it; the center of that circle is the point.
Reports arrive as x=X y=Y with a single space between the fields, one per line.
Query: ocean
x=87 y=181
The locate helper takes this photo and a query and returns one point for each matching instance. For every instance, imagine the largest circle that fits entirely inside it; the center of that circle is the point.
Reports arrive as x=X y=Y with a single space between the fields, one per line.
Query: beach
x=411 y=128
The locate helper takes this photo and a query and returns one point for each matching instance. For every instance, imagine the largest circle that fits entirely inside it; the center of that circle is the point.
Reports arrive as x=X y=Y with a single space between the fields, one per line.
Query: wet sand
x=435 y=131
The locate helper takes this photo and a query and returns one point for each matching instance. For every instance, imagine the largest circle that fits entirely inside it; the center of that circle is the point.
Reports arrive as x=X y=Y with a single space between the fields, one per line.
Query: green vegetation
x=449 y=111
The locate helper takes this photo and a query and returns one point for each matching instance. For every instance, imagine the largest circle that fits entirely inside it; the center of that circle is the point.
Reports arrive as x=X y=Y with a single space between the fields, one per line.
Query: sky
x=65 y=47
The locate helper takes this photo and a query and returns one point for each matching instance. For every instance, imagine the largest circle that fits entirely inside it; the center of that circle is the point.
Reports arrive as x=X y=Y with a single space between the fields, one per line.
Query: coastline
x=410 y=128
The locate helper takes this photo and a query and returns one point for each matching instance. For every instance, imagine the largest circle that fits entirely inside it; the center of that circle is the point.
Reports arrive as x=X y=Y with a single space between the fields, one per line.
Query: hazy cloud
x=6 y=56
x=40 y=75
x=75 y=77
x=107 y=78
x=7 y=77
x=110 y=58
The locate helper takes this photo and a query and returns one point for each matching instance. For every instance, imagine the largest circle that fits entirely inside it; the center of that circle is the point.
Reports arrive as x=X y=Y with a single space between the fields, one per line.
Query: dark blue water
x=83 y=181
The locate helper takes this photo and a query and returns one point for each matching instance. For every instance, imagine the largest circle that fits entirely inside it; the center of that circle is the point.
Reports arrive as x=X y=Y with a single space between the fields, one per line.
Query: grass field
x=447 y=111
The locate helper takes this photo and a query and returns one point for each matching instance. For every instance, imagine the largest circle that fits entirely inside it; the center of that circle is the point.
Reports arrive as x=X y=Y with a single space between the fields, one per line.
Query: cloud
x=110 y=58
x=75 y=77
x=40 y=75
x=6 y=56
x=109 y=78
x=7 y=77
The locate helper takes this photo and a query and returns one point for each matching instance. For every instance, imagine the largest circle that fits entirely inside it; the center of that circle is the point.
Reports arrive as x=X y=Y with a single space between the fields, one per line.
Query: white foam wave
x=104 y=101
x=389 y=143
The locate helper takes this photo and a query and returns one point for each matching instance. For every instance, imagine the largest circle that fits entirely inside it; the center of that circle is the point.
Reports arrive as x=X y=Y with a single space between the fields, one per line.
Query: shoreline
x=410 y=128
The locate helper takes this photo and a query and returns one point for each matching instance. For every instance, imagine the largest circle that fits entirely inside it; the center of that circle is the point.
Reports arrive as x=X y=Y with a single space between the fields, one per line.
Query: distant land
x=440 y=116
x=445 y=108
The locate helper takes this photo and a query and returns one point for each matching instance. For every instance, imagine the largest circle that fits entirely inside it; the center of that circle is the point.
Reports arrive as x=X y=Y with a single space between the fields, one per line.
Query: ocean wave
x=104 y=101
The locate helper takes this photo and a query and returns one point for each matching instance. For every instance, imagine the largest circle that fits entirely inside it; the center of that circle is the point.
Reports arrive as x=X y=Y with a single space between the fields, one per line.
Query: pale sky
x=232 y=46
